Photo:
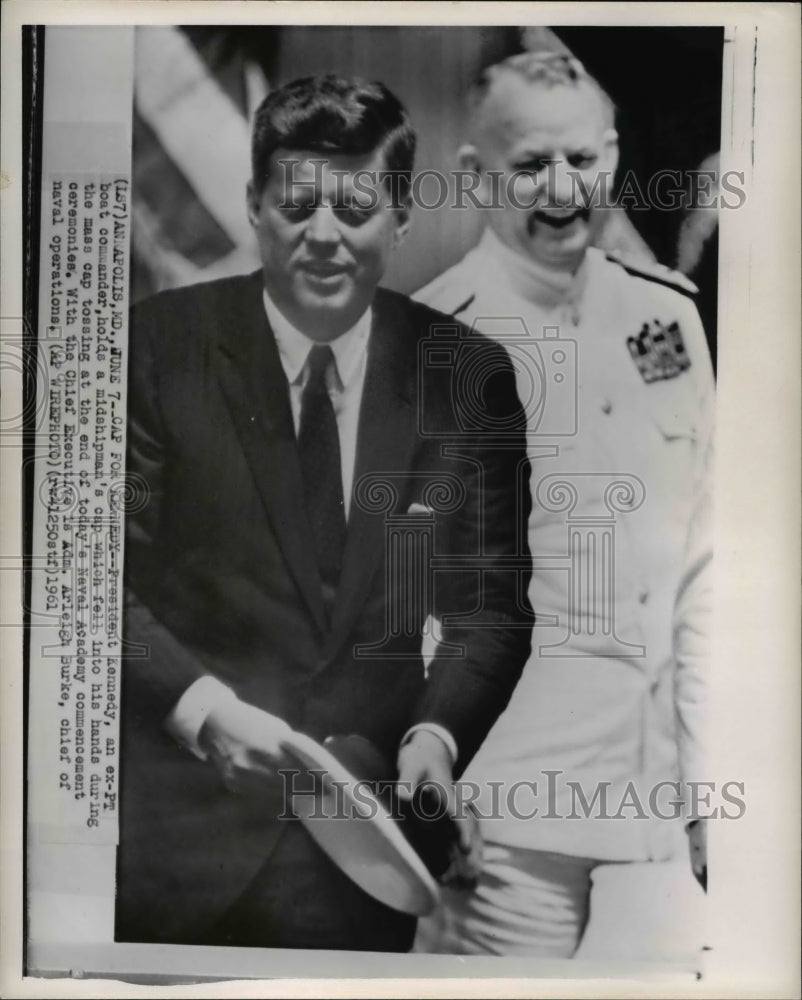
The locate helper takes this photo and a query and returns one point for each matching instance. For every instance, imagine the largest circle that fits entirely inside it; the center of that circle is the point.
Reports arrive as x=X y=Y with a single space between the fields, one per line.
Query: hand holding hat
x=245 y=744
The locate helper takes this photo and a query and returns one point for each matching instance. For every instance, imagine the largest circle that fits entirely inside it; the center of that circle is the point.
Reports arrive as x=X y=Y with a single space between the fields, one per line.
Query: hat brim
x=354 y=828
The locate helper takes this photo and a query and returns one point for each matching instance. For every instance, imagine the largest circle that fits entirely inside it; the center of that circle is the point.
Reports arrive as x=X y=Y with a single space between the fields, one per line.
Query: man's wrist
x=440 y=732
x=187 y=718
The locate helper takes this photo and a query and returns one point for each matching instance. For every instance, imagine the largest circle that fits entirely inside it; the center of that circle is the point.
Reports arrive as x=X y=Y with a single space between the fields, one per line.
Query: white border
x=754 y=908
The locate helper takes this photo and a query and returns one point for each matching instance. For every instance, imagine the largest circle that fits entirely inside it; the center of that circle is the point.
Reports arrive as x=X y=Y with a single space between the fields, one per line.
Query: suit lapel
x=255 y=388
x=386 y=443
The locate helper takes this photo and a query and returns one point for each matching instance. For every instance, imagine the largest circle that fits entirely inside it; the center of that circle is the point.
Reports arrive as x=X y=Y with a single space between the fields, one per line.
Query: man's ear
x=469 y=159
x=610 y=150
x=254 y=202
x=403 y=221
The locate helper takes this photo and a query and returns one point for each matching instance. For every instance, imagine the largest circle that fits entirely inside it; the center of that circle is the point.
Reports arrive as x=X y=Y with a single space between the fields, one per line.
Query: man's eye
x=352 y=213
x=296 y=211
x=533 y=166
x=580 y=161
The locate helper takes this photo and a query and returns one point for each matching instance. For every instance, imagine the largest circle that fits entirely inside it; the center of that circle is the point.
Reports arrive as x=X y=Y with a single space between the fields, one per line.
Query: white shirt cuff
x=186 y=720
x=444 y=734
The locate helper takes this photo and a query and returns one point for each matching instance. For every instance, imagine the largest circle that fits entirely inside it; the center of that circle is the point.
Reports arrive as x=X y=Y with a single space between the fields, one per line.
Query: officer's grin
x=557 y=221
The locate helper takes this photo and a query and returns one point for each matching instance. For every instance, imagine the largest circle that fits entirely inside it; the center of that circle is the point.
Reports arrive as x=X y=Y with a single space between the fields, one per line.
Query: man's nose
x=560 y=183
x=322 y=228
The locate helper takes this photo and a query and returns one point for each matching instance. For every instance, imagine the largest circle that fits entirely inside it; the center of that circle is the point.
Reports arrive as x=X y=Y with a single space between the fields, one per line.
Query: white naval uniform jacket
x=612 y=697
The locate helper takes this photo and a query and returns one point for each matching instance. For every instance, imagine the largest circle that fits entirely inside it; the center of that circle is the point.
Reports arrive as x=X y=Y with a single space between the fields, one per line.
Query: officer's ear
x=470 y=160
x=610 y=150
x=468 y=157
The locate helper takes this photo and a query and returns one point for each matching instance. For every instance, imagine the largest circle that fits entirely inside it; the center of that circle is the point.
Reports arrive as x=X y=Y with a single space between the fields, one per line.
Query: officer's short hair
x=547 y=69
x=331 y=114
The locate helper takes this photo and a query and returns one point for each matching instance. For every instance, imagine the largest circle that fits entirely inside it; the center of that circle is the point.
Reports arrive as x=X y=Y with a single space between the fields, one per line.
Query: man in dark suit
x=277 y=424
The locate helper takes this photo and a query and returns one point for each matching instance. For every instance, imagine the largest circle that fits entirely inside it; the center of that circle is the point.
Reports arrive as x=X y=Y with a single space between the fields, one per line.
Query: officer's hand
x=697 y=846
x=244 y=744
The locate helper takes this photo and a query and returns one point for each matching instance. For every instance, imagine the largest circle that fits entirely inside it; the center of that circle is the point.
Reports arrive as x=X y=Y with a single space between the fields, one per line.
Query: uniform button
x=607 y=407
x=643 y=596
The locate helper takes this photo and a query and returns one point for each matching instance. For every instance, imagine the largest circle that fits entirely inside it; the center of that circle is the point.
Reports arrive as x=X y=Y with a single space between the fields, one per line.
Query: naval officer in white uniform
x=615 y=373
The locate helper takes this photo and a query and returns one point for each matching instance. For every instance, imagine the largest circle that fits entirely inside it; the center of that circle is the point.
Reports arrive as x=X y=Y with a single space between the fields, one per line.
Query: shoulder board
x=655 y=272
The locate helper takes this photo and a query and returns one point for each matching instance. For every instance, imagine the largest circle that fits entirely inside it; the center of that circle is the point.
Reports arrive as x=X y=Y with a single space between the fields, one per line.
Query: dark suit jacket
x=221 y=579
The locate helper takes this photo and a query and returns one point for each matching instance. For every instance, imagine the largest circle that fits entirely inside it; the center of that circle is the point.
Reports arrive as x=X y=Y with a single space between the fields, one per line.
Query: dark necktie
x=319 y=451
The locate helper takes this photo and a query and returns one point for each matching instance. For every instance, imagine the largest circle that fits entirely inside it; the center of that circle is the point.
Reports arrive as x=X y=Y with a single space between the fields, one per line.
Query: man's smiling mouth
x=559 y=220
x=323 y=269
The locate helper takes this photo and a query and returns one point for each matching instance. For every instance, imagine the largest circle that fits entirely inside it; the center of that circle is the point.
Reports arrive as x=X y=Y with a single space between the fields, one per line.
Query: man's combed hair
x=329 y=114
x=548 y=69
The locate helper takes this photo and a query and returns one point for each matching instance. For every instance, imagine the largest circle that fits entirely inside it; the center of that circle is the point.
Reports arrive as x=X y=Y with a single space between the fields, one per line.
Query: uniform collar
x=294 y=346
x=541 y=285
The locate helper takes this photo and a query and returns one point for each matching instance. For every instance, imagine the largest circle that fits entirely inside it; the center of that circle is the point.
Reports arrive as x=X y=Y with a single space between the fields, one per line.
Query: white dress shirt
x=345 y=380
x=345 y=383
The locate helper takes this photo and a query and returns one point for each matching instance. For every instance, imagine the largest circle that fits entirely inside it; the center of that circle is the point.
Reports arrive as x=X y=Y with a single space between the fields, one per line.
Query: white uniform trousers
x=539 y=904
